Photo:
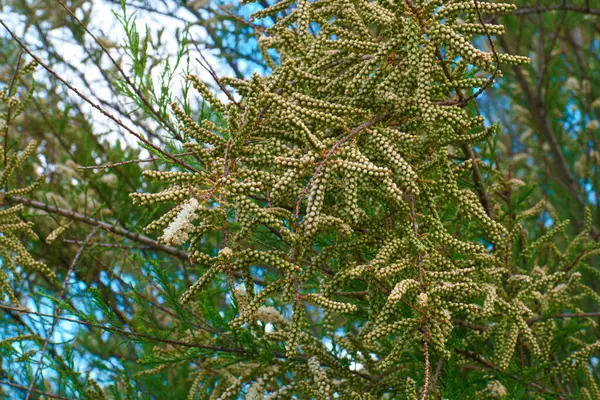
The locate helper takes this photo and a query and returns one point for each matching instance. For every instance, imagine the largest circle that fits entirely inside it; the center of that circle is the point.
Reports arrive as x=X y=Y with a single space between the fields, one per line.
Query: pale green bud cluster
x=332 y=177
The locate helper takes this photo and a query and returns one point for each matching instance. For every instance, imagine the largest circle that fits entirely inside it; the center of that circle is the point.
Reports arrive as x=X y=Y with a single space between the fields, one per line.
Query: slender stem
x=125 y=76
x=56 y=315
x=95 y=105
x=21 y=387
x=130 y=333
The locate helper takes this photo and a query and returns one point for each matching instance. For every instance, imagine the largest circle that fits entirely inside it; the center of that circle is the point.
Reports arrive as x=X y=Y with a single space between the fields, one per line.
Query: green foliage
x=346 y=226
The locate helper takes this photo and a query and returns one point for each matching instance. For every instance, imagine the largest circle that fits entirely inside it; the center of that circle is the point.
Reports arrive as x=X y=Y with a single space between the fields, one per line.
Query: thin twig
x=143 y=160
x=112 y=228
x=560 y=316
x=107 y=245
x=137 y=91
x=216 y=78
x=130 y=333
x=17 y=386
x=56 y=315
x=438 y=371
x=241 y=20
x=426 y=331
x=93 y=104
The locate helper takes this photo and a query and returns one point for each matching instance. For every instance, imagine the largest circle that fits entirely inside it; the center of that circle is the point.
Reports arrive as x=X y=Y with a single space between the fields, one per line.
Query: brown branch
x=17 y=386
x=112 y=228
x=436 y=375
x=143 y=160
x=130 y=333
x=560 y=316
x=106 y=245
x=426 y=330
x=242 y=20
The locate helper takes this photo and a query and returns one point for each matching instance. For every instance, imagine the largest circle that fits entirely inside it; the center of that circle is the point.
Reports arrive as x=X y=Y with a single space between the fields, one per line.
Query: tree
x=350 y=228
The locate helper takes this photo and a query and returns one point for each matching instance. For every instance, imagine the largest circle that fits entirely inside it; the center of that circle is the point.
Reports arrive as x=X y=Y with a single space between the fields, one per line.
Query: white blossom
x=268 y=315
x=572 y=84
x=497 y=389
x=177 y=231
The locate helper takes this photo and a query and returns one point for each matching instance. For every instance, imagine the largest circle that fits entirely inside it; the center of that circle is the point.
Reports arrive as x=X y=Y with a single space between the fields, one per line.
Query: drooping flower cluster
x=332 y=179
x=13 y=252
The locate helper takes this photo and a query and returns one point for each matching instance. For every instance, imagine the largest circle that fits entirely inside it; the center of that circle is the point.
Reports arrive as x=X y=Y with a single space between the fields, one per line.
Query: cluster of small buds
x=472 y=138
x=576 y=360
x=505 y=347
x=510 y=59
x=410 y=391
x=294 y=333
x=245 y=187
x=406 y=175
x=175 y=194
x=496 y=390
x=385 y=330
x=274 y=259
x=324 y=387
x=256 y=391
x=315 y=202
x=161 y=223
x=248 y=313
x=440 y=234
x=11 y=226
x=55 y=234
x=367 y=169
x=274 y=9
x=478 y=28
x=201 y=283
x=342 y=154
x=207 y=94
x=557 y=228
x=330 y=304
x=231 y=392
x=12 y=101
x=401 y=289
x=463 y=83
x=94 y=391
x=175 y=177
x=192 y=129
